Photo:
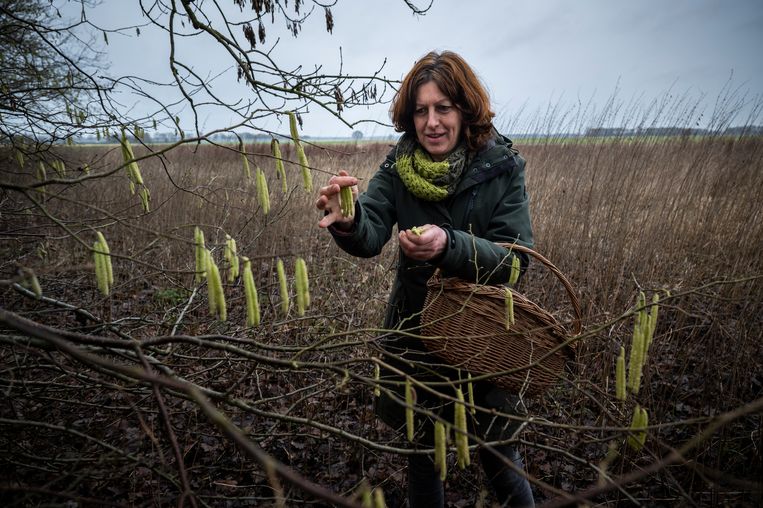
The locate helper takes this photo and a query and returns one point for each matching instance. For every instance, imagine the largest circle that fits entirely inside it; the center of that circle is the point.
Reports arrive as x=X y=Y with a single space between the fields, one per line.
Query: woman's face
x=437 y=121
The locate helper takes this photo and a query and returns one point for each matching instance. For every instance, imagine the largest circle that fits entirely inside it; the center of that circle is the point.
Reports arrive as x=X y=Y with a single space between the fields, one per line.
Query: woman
x=462 y=186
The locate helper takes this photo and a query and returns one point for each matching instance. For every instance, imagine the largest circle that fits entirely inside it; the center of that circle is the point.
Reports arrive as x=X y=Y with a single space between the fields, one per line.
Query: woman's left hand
x=428 y=245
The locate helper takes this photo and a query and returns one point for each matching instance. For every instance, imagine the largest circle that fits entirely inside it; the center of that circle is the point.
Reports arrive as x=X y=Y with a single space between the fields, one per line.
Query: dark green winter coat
x=490 y=205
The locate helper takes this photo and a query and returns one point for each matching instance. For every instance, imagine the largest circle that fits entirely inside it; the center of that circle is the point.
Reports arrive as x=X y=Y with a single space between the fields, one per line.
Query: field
x=142 y=398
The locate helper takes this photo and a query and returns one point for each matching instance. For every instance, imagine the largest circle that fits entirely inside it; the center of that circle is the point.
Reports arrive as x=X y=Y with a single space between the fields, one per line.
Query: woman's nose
x=432 y=119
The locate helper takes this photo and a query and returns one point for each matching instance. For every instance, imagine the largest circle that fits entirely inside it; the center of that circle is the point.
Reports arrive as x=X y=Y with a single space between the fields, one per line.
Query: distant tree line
x=747 y=130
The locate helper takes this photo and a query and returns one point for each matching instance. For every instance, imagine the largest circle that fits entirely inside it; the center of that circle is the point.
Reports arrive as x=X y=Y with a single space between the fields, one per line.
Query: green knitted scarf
x=425 y=178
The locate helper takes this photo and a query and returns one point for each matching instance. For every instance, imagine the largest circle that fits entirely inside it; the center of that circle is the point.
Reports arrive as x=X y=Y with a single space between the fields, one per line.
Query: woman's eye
x=420 y=111
x=442 y=108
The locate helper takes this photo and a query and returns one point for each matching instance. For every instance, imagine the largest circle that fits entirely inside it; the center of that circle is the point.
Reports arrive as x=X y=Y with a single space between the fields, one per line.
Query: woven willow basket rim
x=457 y=310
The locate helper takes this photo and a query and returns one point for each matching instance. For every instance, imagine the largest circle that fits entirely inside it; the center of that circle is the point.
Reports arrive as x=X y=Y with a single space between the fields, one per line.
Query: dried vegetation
x=111 y=408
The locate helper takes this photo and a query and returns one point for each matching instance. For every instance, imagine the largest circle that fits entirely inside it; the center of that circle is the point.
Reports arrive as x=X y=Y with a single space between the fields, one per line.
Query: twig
x=187 y=492
x=677 y=456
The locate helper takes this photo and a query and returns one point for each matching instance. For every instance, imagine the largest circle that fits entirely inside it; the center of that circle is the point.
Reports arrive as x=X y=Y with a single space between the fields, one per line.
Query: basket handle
x=559 y=275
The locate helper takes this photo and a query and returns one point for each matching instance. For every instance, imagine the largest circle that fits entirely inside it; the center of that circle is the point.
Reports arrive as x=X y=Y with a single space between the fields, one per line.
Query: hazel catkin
x=409 y=422
x=215 y=291
x=440 y=450
x=263 y=194
x=302 y=286
x=620 y=375
x=250 y=293
x=509 y=304
x=199 y=250
x=346 y=201
x=515 y=270
x=104 y=273
x=459 y=424
x=245 y=161
x=275 y=149
x=283 y=287
x=231 y=257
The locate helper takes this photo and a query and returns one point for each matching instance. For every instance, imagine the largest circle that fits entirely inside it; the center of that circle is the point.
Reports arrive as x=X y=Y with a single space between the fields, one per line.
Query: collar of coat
x=497 y=158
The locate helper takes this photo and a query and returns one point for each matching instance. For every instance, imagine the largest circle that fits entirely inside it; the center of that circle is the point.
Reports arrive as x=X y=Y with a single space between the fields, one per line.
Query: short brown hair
x=459 y=83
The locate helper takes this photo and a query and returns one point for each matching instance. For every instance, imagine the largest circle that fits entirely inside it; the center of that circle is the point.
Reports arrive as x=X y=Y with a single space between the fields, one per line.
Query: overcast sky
x=528 y=53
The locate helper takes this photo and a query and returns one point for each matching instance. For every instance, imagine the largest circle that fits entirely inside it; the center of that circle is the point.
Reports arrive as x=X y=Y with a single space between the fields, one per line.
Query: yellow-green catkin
x=283 y=287
x=104 y=273
x=211 y=296
x=306 y=281
x=515 y=269
x=379 y=501
x=307 y=176
x=377 y=374
x=293 y=127
x=215 y=291
x=86 y=169
x=620 y=375
x=470 y=393
x=245 y=161
x=366 y=498
x=303 y=286
x=263 y=194
x=133 y=172
x=101 y=277
x=639 y=422
x=409 y=422
x=644 y=421
x=275 y=148
x=646 y=326
x=636 y=360
x=509 y=303
x=32 y=283
x=440 y=450
x=250 y=291
x=235 y=262
x=145 y=199
x=205 y=259
x=641 y=315
x=652 y=324
x=107 y=258
x=200 y=251
x=231 y=257
x=346 y=201
x=459 y=424
x=635 y=418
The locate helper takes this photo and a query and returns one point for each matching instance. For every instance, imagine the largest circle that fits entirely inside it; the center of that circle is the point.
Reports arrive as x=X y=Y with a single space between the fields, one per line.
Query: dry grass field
x=96 y=405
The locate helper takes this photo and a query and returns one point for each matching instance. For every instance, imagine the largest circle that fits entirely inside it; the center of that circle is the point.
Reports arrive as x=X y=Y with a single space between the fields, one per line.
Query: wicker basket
x=465 y=324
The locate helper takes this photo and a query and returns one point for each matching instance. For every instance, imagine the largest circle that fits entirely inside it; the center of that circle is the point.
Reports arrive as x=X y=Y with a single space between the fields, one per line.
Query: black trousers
x=511 y=488
x=424 y=485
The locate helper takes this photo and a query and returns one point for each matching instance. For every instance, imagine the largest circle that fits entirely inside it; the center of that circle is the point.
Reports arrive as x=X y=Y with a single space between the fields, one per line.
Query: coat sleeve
x=375 y=216
x=478 y=258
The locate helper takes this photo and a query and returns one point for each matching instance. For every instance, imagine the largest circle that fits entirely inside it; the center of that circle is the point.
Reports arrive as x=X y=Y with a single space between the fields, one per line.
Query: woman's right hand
x=328 y=201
